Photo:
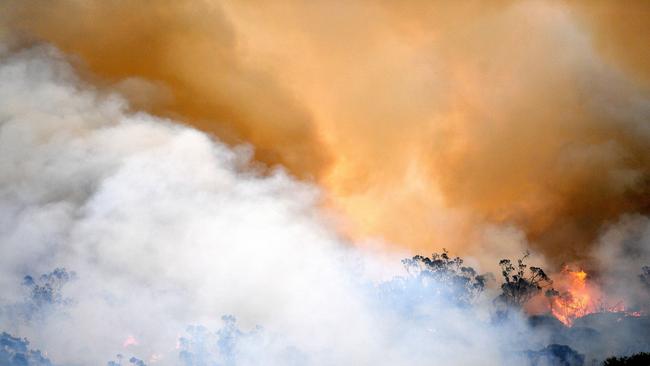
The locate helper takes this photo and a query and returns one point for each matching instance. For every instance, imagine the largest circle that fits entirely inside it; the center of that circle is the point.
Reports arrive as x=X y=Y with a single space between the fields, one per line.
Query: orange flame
x=575 y=301
x=578 y=298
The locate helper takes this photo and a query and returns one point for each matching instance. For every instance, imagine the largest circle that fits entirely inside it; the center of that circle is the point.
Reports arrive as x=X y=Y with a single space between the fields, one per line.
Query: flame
x=579 y=297
x=575 y=301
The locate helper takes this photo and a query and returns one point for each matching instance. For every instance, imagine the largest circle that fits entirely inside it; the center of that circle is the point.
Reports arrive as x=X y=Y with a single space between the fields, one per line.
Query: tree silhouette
x=555 y=354
x=15 y=351
x=551 y=294
x=520 y=285
x=446 y=277
x=46 y=289
x=639 y=359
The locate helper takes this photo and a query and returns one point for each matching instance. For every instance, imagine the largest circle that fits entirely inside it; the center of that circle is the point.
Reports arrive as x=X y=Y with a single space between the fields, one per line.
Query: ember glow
x=130 y=341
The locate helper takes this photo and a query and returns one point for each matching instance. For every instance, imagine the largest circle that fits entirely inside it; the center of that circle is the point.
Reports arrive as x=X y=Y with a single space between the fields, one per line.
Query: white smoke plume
x=622 y=251
x=165 y=228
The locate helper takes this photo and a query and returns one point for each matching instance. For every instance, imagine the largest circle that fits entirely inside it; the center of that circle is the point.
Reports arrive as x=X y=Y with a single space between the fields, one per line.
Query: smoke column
x=455 y=116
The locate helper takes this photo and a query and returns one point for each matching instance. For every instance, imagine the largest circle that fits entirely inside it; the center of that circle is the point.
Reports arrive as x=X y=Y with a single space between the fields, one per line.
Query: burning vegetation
x=579 y=324
x=578 y=314
x=578 y=296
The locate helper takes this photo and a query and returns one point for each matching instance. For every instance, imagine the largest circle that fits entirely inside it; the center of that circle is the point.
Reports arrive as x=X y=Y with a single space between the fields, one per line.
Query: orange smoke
x=179 y=59
x=423 y=120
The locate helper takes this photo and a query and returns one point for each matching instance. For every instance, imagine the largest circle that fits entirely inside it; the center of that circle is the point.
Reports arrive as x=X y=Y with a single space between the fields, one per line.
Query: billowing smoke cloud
x=181 y=59
x=423 y=120
x=622 y=251
x=165 y=227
